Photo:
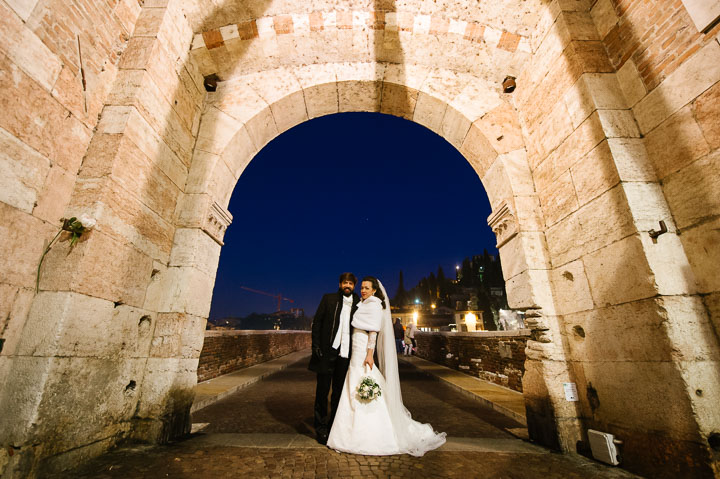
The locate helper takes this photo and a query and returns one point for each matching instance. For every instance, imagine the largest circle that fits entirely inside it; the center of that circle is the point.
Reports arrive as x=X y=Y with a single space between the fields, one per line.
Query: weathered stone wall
x=601 y=166
x=227 y=351
x=495 y=356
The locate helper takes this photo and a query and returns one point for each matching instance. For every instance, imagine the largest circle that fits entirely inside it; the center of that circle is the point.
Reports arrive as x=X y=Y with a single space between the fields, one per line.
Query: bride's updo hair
x=376 y=286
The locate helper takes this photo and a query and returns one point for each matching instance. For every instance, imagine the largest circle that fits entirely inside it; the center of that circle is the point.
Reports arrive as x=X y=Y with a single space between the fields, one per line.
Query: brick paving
x=264 y=431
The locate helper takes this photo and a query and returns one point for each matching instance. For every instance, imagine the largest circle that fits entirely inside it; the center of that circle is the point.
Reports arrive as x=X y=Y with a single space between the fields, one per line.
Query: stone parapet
x=227 y=351
x=495 y=356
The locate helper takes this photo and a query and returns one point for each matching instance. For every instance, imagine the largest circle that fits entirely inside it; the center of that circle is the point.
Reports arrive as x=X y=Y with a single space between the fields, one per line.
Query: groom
x=331 y=346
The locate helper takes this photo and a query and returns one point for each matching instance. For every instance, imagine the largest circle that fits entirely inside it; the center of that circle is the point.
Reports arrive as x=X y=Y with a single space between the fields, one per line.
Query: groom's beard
x=347 y=292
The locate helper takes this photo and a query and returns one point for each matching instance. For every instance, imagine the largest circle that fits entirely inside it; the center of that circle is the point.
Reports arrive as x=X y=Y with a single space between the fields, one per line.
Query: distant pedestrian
x=410 y=334
x=399 y=331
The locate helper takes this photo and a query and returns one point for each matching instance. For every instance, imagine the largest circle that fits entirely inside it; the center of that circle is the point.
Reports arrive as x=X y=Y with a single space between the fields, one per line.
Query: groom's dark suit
x=325 y=360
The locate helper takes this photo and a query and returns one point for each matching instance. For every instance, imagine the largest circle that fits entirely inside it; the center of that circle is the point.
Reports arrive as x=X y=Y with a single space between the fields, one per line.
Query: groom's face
x=347 y=287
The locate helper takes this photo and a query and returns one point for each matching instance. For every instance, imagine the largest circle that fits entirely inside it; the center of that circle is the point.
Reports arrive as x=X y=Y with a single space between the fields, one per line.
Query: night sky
x=362 y=192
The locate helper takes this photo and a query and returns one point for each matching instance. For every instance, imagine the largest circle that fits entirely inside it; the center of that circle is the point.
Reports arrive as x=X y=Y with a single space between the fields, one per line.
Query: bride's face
x=366 y=289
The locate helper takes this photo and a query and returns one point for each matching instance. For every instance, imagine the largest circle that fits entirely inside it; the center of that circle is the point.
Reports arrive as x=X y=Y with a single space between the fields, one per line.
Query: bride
x=381 y=426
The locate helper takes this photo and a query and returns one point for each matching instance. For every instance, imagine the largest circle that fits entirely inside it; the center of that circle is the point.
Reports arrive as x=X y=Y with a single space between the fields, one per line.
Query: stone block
x=669 y=264
x=630 y=157
x=429 y=112
x=619 y=273
x=28 y=376
x=321 y=99
x=262 y=128
x=594 y=174
x=60 y=137
x=628 y=393
x=239 y=152
x=24 y=238
x=707 y=115
x=501 y=128
x=22 y=173
x=605 y=219
x=689 y=328
x=692 y=192
x=23 y=8
x=647 y=205
x=565 y=240
x=129 y=166
x=603 y=14
x=631 y=84
x=98 y=266
x=359 y=96
x=688 y=81
x=526 y=250
x=560 y=200
x=528 y=213
x=187 y=290
x=478 y=97
x=138 y=89
x=139 y=131
x=618 y=124
x=700 y=244
x=571 y=290
x=66 y=393
x=178 y=335
x=477 y=150
x=55 y=195
x=26 y=50
x=76 y=325
x=398 y=100
x=127 y=12
x=216 y=130
x=289 y=111
x=166 y=381
x=14 y=308
x=455 y=127
x=629 y=332
x=193 y=247
x=530 y=289
x=712 y=303
x=239 y=100
x=121 y=213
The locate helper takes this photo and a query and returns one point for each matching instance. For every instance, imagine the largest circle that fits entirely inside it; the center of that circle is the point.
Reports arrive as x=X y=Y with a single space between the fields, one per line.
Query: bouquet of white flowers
x=368 y=390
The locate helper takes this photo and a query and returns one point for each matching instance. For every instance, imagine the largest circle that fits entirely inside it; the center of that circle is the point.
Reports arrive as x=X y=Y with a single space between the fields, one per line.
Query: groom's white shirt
x=342 y=338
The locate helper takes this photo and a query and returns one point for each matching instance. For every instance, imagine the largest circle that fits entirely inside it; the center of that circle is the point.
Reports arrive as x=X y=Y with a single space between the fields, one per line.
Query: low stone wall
x=227 y=351
x=496 y=356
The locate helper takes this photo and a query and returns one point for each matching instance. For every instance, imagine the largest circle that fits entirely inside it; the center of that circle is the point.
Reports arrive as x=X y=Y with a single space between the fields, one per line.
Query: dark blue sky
x=362 y=192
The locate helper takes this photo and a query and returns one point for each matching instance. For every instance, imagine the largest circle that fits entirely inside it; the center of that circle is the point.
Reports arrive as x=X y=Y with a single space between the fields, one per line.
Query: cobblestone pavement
x=264 y=431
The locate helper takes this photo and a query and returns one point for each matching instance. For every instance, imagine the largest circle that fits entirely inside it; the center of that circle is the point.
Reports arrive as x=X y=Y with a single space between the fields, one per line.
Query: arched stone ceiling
x=488 y=39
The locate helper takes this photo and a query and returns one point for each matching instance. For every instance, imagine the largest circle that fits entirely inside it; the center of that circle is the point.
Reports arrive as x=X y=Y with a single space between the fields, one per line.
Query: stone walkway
x=264 y=430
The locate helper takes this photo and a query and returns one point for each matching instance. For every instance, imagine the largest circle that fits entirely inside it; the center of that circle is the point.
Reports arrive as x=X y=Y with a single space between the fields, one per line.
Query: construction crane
x=278 y=296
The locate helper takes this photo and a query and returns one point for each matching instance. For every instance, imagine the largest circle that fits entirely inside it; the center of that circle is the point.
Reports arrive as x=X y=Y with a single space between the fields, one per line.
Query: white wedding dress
x=382 y=426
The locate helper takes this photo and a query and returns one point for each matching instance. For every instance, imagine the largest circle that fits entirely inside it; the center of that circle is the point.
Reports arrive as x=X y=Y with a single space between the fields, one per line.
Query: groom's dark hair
x=348 y=277
x=376 y=287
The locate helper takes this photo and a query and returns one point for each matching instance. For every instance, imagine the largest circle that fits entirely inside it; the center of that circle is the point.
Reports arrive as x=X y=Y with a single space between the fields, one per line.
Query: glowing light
x=433 y=306
x=470 y=321
x=415 y=317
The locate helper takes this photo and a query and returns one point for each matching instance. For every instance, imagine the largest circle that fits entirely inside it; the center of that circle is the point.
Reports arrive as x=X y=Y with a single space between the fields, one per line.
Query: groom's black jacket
x=324 y=328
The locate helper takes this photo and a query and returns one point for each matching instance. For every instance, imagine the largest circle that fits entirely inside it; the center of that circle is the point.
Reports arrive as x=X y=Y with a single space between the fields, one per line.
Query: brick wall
x=227 y=351
x=495 y=356
x=658 y=35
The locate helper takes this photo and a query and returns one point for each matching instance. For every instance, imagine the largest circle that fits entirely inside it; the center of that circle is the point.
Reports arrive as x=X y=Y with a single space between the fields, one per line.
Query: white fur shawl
x=368 y=315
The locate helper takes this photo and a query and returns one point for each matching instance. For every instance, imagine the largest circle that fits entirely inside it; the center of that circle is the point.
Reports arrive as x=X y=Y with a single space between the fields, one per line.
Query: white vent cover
x=603 y=447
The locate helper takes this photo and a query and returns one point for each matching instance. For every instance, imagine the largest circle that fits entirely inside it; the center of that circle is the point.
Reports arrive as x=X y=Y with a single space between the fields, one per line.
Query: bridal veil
x=413 y=437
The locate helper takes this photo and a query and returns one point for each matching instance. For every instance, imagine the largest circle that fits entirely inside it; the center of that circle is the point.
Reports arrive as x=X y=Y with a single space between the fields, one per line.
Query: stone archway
x=574 y=197
x=248 y=111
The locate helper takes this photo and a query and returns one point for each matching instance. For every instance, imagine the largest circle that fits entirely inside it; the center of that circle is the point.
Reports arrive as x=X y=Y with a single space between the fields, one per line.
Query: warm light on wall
x=470 y=321
x=415 y=317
